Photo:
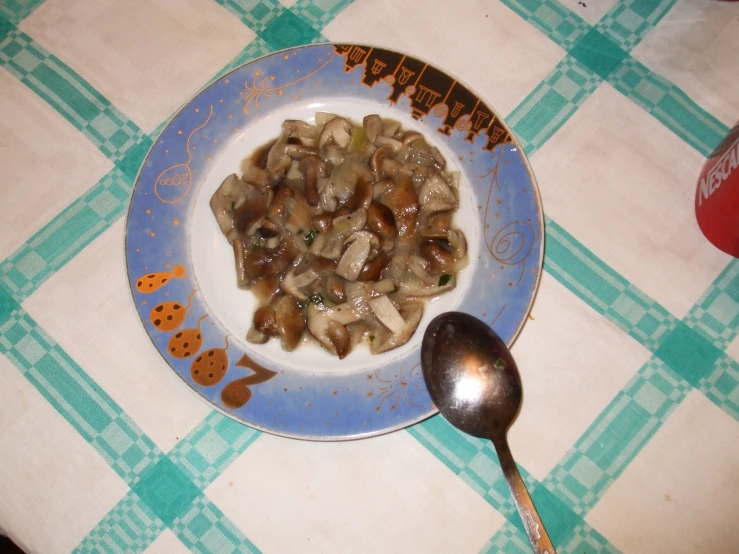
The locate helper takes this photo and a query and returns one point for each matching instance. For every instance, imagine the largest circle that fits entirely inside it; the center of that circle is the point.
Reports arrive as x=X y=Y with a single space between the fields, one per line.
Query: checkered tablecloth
x=629 y=434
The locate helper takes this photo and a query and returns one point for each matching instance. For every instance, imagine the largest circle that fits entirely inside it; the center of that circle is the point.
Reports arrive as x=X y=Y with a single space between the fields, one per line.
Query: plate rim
x=377 y=432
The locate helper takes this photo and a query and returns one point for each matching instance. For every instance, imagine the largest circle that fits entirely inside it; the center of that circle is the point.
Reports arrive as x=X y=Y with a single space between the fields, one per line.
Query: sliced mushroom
x=238 y=207
x=277 y=211
x=319 y=317
x=437 y=226
x=323 y=223
x=242 y=278
x=411 y=136
x=266 y=288
x=255 y=337
x=417 y=172
x=353 y=260
x=300 y=151
x=338 y=336
x=390 y=127
x=307 y=133
x=373 y=127
x=381 y=220
x=277 y=159
x=262 y=261
x=335 y=291
x=436 y=195
x=312 y=169
x=361 y=197
x=384 y=286
x=403 y=202
x=372 y=269
x=394 y=144
x=297 y=285
x=300 y=215
x=458 y=242
x=337 y=131
x=377 y=160
x=290 y=322
x=419 y=267
x=265 y=320
x=439 y=161
x=256 y=176
x=327 y=198
x=410 y=314
x=439 y=259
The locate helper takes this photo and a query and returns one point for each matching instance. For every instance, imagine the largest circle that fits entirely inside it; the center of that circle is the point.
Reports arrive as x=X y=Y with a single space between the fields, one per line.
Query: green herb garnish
x=444 y=279
x=310 y=237
x=316 y=299
x=233 y=205
x=372 y=338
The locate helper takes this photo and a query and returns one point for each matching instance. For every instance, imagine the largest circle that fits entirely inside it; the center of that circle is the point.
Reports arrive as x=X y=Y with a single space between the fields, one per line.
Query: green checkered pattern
x=166 y=488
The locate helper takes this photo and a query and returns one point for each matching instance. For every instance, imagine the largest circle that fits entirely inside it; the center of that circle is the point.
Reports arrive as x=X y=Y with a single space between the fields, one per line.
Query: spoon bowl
x=474 y=382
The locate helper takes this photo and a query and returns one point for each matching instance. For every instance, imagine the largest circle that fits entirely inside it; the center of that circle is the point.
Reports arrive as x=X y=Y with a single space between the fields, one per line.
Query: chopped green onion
x=500 y=363
x=444 y=279
x=310 y=237
x=316 y=299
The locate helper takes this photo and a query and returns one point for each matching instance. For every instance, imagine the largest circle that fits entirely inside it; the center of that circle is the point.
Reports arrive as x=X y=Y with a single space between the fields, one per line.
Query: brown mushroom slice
x=266 y=288
x=312 y=169
x=242 y=277
x=436 y=195
x=338 y=336
x=403 y=202
x=381 y=187
x=327 y=199
x=458 y=242
x=319 y=316
x=377 y=161
x=437 y=226
x=439 y=161
x=237 y=205
x=381 y=220
x=390 y=127
x=277 y=159
x=373 y=127
x=255 y=175
x=263 y=261
x=419 y=267
x=277 y=211
x=440 y=260
x=337 y=131
x=265 y=320
x=394 y=144
x=353 y=260
x=372 y=269
x=417 y=172
x=323 y=223
x=296 y=285
x=361 y=197
x=307 y=133
x=334 y=289
x=255 y=337
x=386 y=339
x=351 y=222
x=290 y=322
x=300 y=214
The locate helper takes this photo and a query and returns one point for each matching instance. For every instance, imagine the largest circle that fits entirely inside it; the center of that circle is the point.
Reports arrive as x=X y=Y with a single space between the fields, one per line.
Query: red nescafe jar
x=717 y=195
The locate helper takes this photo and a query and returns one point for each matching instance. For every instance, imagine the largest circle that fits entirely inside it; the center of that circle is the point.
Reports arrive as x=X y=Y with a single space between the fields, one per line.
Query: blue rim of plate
x=297 y=404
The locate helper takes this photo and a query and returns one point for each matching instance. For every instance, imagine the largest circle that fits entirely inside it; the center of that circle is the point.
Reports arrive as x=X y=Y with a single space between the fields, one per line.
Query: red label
x=717 y=196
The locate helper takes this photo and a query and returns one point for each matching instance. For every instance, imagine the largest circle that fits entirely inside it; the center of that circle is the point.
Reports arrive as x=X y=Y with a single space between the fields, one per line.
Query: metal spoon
x=473 y=380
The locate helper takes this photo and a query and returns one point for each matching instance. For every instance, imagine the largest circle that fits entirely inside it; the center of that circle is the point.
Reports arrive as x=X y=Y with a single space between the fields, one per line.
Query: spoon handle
x=531 y=521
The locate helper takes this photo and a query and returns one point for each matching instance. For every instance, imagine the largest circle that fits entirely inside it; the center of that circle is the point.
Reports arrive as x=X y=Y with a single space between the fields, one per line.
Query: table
x=628 y=438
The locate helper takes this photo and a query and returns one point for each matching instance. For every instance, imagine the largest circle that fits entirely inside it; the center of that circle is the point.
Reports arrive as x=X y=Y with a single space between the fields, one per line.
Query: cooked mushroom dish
x=342 y=232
